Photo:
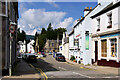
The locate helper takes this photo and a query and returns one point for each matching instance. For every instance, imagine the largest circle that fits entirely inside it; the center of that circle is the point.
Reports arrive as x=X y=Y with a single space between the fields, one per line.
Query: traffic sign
x=12 y=28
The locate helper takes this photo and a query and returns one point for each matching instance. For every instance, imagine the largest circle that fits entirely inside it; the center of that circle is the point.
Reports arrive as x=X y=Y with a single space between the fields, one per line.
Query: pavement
x=105 y=69
x=23 y=70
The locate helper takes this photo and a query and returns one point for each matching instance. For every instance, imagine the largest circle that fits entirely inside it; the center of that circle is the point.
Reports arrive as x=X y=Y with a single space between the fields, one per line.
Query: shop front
x=108 y=50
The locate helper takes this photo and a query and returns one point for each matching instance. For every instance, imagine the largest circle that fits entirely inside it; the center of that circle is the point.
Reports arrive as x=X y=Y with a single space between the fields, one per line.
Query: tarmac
x=105 y=69
x=24 y=71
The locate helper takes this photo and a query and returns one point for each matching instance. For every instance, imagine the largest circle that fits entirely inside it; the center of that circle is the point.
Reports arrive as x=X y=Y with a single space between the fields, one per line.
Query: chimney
x=81 y=17
x=78 y=19
x=87 y=10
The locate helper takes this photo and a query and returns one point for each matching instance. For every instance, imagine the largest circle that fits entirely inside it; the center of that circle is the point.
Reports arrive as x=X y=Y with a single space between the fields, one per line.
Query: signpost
x=12 y=30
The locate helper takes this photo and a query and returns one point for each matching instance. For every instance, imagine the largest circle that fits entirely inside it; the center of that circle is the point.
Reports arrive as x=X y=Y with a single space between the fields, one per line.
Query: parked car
x=31 y=58
x=50 y=53
x=60 y=58
x=57 y=54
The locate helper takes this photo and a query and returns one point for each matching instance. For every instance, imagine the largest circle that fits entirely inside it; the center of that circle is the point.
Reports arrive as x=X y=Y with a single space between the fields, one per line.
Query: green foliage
x=72 y=58
x=21 y=36
x=50 y=34
x=42 y=40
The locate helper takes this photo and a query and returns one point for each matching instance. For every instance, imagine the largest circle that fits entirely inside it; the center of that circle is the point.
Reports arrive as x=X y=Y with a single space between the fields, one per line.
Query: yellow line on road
x=42 y=73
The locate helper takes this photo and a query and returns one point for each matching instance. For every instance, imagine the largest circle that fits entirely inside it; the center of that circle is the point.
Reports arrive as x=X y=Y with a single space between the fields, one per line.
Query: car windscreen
x=58 y=54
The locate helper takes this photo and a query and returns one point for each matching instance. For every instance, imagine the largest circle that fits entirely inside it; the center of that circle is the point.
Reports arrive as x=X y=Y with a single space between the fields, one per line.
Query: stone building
x=8 y=15
x=52 y=45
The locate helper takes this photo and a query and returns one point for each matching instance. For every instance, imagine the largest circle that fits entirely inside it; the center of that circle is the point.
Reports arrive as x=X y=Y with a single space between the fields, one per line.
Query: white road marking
x=83 y=75
x=61 y=68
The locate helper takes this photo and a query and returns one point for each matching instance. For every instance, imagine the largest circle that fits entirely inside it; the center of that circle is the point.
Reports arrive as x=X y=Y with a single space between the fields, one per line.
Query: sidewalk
x=23 y=70
x=105 y=69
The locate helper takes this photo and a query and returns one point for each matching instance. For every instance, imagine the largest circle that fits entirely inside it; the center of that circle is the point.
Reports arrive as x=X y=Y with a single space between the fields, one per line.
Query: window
x=76 y=42
x=52 y=44
x=113 y=43
x=98 y=24
x=104 y=48
x=109 y=20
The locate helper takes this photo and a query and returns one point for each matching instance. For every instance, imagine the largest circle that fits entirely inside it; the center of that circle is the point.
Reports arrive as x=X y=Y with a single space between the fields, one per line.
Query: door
x=96 y=51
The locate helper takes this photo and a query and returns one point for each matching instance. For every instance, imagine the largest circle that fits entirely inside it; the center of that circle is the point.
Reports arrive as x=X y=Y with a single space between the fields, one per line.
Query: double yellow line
x=42 y=73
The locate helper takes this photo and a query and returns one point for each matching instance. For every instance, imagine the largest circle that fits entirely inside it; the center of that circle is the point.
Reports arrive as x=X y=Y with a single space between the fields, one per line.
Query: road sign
x=12 y=28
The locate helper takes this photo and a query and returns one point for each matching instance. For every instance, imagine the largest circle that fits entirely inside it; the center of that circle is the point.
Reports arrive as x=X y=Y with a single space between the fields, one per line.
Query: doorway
x=96 y=51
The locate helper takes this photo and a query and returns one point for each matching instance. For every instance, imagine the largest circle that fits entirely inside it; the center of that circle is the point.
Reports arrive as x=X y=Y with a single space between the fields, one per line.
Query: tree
x=43 y=31
x=50 y=32
x=42 y=40
x=21 y=36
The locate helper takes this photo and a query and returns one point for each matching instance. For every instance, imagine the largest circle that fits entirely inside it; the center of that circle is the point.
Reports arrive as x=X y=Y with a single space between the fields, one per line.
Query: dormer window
x=98 y=23
x=109 y=20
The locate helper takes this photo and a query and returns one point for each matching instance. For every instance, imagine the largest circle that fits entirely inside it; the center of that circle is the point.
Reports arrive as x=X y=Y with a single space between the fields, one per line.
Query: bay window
x=113 y=45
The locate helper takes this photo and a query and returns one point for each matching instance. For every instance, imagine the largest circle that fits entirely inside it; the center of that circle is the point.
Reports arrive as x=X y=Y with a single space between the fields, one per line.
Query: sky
x=33 y=16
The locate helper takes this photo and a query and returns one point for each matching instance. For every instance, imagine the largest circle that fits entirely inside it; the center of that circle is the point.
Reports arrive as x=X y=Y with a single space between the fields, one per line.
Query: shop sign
x=78 y=35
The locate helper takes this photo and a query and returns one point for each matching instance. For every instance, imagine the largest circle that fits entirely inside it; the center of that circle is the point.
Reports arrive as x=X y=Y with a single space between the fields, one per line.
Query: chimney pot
x=90 y=7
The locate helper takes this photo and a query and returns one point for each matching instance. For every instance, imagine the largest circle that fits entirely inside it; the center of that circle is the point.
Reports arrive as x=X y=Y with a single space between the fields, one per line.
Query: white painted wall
x=103 y=28
x=21 y=47
x=71 y=45
x=30 y=47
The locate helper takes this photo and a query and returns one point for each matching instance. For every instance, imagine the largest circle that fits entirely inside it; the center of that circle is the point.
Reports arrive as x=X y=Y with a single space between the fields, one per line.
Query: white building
x=30 y=47
x=106 y=34
x=21 y=47
x=71 y=44
x=82 y=39
x=64 y=47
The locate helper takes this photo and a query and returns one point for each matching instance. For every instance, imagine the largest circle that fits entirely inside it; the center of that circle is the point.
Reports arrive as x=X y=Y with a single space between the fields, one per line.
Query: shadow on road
x=45 y=66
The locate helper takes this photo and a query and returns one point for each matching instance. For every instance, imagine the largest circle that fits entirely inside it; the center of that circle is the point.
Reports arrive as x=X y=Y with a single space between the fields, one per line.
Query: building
x=71 y=44
x=106 y=34
x=21 y=47
x=52 y=45
x=8 y=15
x=64 y=47
x=80 y=41
x=30 y=48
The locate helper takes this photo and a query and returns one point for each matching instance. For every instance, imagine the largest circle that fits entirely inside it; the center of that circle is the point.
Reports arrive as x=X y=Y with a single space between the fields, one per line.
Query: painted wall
x=30 y=47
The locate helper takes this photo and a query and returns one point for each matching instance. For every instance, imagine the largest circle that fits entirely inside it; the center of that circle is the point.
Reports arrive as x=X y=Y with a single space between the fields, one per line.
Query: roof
x=107 y=8
x=86 y=15
x=72 y=32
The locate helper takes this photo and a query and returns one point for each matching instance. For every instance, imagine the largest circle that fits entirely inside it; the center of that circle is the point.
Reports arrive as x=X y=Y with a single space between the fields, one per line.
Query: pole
x=10 y=67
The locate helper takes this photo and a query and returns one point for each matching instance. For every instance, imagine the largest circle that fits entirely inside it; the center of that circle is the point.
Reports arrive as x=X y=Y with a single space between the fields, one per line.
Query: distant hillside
x=28 y=37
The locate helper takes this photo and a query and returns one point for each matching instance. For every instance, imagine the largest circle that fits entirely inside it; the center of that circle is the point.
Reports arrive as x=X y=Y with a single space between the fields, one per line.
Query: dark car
x=43 y=54
x=31 y=58
x=57 y=54
x=60 y=58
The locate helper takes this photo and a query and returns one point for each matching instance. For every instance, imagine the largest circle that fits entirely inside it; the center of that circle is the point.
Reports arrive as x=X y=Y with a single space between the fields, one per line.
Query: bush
x=72 y=58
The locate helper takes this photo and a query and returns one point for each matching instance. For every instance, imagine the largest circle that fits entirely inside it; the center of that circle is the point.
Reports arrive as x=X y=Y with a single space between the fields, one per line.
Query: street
x=56 y=69
x=49 y=69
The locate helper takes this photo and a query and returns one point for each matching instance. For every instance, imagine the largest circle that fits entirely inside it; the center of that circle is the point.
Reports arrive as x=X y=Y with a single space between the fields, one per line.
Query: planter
x=110 y=26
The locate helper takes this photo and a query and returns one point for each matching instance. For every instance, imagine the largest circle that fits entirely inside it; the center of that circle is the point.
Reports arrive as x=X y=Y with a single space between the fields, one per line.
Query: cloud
x=33 y=20
x=66 y=23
